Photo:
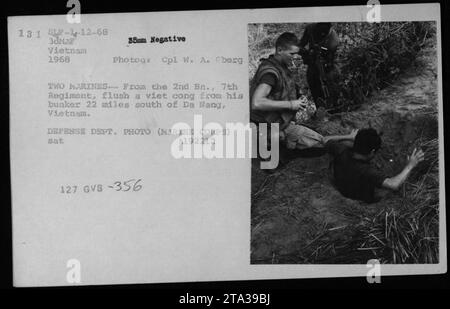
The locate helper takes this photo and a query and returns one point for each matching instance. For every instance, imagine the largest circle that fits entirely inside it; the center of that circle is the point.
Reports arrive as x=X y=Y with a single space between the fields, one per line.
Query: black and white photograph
x=358 y=173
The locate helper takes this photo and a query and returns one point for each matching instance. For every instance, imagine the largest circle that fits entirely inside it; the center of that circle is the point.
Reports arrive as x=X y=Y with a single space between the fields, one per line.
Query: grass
x=407 y=236
x=404 y=231
x=410 y=234
x=407 y=233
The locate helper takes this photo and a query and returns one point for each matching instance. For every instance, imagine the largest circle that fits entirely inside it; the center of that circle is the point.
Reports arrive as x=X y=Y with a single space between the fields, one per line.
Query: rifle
x=314 y=57
x=322 y=77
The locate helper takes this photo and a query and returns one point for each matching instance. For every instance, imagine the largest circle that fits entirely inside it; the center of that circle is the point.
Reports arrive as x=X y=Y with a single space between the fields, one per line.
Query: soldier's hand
x=416 y=157
x=353 y=134
x=299 y=104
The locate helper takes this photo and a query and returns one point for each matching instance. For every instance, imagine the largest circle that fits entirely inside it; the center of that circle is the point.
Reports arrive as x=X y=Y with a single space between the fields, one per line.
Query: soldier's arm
x=304 y=40
x=337 y=138
x=395 y=182
x=260 y=100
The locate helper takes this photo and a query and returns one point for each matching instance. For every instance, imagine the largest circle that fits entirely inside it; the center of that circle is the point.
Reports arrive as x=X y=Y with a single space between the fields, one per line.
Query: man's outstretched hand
x=416 y=157
x=395 y=182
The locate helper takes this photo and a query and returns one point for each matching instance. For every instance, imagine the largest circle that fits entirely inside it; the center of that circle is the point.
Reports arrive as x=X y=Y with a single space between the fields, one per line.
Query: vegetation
x=370 y=57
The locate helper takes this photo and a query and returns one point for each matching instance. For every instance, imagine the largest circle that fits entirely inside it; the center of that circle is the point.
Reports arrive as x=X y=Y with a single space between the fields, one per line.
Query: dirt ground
x=297 y=214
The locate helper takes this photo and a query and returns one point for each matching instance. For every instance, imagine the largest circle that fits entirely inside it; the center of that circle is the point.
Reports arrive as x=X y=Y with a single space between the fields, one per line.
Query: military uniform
x=283 y=88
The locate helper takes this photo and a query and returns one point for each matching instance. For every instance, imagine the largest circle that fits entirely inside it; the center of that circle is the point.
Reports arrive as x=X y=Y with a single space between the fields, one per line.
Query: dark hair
x=286 y=39
x=366 y=140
